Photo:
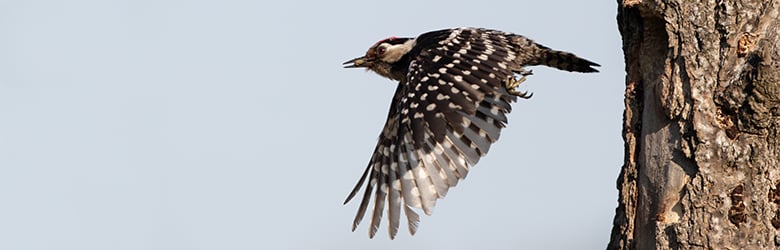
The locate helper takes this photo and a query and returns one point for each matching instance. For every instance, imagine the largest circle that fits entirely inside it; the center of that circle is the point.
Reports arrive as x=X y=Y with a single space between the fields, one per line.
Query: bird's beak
x=355 y=63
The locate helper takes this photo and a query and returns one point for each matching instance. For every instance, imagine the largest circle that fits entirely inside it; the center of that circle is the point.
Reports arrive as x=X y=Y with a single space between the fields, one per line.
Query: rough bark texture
x=702 y=125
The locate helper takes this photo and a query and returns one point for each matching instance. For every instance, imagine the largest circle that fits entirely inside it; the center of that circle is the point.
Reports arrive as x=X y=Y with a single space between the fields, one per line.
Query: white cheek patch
x=393 y=53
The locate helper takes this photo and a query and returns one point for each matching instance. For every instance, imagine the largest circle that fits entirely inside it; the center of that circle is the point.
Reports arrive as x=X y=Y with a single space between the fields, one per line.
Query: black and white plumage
x=455 y=87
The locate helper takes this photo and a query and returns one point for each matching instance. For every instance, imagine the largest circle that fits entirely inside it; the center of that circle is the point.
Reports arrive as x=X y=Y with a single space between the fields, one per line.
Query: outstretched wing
x=443 y=118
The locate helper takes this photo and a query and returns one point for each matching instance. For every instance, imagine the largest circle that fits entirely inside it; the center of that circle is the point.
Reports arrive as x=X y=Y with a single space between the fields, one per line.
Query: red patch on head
x=386 y=40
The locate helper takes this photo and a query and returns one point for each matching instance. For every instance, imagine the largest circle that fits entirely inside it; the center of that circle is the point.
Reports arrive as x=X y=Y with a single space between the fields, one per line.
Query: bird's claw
x=513 y=82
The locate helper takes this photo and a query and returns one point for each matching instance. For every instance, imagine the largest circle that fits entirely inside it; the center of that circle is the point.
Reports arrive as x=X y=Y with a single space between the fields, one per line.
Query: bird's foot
x=513 y=82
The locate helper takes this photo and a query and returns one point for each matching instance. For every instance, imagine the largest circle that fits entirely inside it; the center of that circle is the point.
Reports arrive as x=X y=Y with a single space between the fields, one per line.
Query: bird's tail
x=565 y=61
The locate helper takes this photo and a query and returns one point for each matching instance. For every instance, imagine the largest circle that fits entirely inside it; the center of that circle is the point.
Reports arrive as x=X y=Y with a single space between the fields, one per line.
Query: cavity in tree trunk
x=701 y=125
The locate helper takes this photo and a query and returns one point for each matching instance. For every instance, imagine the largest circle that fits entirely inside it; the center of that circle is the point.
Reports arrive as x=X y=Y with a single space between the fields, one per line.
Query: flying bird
x=455 y=87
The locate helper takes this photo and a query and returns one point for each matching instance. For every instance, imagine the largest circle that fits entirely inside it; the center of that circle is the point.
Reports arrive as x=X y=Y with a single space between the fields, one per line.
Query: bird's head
x=381 y=57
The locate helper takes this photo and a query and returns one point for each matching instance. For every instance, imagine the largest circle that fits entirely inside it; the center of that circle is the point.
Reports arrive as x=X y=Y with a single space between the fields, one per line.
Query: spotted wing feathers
x=445 y=116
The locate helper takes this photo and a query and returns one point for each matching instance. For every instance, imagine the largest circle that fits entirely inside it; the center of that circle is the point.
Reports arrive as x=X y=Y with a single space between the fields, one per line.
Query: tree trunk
x=702 y=125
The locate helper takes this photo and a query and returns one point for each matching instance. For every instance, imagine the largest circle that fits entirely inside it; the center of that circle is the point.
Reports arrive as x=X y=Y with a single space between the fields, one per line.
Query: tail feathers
x=566 y=61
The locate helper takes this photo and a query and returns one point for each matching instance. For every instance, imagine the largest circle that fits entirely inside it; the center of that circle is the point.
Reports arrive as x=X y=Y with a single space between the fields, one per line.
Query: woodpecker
x=455 y=87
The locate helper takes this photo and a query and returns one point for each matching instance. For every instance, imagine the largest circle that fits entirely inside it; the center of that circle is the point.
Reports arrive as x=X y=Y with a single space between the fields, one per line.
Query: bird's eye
x=381 y=50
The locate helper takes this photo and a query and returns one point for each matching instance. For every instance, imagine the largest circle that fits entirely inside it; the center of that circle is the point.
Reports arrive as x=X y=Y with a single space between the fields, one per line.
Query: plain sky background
x=232 y=125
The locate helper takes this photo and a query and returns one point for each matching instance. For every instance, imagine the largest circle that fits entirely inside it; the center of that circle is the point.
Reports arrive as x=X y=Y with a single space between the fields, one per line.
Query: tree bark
x=701 y=125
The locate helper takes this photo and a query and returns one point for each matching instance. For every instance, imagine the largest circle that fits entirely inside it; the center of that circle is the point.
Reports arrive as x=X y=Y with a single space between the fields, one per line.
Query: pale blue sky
x=232 y=125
